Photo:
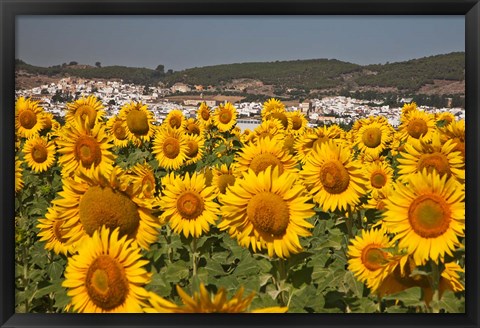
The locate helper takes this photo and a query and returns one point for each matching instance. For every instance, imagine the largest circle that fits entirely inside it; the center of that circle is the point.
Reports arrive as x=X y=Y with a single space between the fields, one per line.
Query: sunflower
x=225 y=117
x=432 y=156
x=398 y=275
x=374 y=136
x=408 y=108
x=263 y=153
x=170 y=148
x=205 y=302
x=298 y=122
x=81 y=147
x=223 y=177
x=29 y=119
x=195 y=148
x=367 y=255
x=427 y=215
x=117 y=128
x=175 y=119
x=416 y=125
x=271 y=105
x=288 y=144
x=267 y=210
x=107 y=275
x=113 y=201
x=51 y=124
x=280 y=115
x=53 y=231
x=18 y=175
x=139 y=121
x=143 y=177
x=269 y=128
x=312 y=139
x=39 y=154
x=247 y=136
x=456 y=132
x=336 y=181
x=380 y=178
x=88 y=110
x=188 y=205
x=204 y=114
x=444 y=119
x=450 y=278
x=194 y=127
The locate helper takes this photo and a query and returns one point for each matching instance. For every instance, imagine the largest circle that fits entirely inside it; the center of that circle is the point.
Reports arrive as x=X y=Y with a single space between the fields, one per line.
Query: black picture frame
x=11 y=8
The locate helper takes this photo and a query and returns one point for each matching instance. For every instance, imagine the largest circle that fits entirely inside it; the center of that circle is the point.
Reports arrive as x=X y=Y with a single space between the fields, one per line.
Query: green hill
x=314 y=74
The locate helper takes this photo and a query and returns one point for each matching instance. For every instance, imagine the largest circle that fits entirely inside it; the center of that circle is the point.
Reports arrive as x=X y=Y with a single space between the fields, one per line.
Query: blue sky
x=180 y=42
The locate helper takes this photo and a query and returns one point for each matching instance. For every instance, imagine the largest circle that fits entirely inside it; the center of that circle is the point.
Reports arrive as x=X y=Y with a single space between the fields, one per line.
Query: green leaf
x=353 y=284
x=409 y=297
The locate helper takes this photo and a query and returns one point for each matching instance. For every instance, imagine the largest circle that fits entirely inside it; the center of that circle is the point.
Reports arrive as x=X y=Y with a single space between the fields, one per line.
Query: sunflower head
x=271 y=105
x=204 y=114
x=427 y=214
x=225 y=117
x=39 y=153
x=107 y=275
x=88 y=110
x=267 y=211
x=139 y=122
x=29 y=118
x=170 y=147
x=175 y=119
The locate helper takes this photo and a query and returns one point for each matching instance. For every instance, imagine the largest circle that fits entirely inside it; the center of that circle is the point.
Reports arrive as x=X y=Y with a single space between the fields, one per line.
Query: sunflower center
x=137 y=122
x=119 y=131
x=296 y=123
x=104 y=206
x=87 y=151
x=268 y=213
x=435 y=161
x=106 y=283
x=171 y=147
x=429 y=216
x=175 y=122
x=190 y=205
x=417 y=128
x=372 y=137
x=225 y=117
x=282 y=118
x=378 y=180
x=224 y=181
x=87 y=114
x=373 y=257
x=27 y=119
x=58 y=231
x=205 y=115
x=334 y=177
x=48 y=123
x=192 y=148
x=192 y=128
x=39 y=153
x=260 y=163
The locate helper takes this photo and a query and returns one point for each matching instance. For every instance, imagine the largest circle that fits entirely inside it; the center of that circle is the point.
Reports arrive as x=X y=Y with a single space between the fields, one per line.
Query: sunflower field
x=192 y=214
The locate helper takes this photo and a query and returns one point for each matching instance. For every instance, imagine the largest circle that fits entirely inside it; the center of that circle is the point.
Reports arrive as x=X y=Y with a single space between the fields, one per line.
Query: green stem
x=193 y=247
x=349 y=224
x=25 y=278
x=281 y=280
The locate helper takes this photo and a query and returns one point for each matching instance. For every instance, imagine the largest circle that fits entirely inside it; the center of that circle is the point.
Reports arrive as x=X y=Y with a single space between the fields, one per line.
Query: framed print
x=199 y=163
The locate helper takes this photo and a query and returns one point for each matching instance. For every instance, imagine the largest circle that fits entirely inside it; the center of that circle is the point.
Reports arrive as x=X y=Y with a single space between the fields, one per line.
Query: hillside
x=434 y=75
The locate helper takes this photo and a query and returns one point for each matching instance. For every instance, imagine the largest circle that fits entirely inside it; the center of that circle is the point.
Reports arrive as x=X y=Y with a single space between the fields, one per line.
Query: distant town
x=339 y=110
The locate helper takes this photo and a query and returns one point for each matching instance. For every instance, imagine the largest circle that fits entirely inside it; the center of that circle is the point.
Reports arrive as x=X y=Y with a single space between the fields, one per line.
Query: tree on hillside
x=160 y=69
x=98 y=64
x=73 y=63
